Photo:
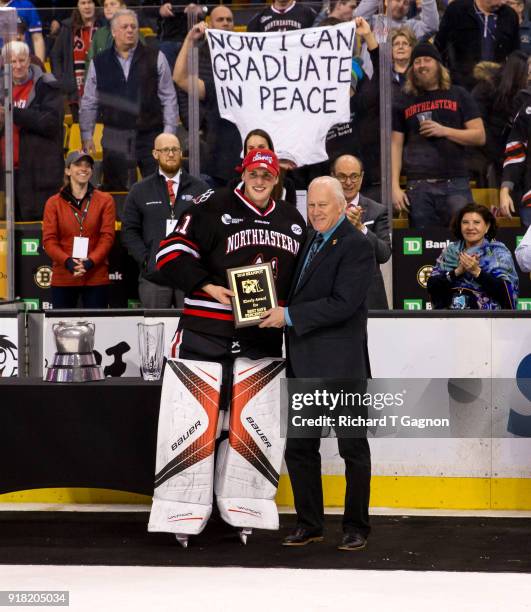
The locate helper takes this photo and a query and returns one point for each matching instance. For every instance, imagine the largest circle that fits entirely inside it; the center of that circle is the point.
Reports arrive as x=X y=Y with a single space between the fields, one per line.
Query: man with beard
x=152 y=210
x=432 y=125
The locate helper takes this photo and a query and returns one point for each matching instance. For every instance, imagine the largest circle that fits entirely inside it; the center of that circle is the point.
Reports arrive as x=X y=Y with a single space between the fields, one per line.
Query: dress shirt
x=88 y=111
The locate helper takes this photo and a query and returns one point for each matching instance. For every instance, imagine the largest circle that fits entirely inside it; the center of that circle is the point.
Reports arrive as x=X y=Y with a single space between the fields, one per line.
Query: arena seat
x=488 y=197
x=75 y=143
x=147 y=32
x=66 y=137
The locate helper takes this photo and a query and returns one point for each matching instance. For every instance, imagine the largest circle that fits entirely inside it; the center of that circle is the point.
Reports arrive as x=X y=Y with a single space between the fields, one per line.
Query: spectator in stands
x=403 y=42
x=28 y=13
x=37 y=133
x=222 y=141
x=22 y=29
x=423 y=28
x=370 y=218
x=282 y=16
x=70 y=52
x=342 y=10
x=497 y=97
x=474 y=272
x=476 y=30
x=285 y=188
x=516 y=175
x=523 y=252
x=77 y=234
x=518 y=7
x=152 y=210
x=432 y=125
x=129 y=85
x=103 y=39
x=361 y=135
x=173 y=26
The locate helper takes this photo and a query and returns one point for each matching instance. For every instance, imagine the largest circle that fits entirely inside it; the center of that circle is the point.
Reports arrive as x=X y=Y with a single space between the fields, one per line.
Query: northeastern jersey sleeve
x=181 y=254
x=516 y=157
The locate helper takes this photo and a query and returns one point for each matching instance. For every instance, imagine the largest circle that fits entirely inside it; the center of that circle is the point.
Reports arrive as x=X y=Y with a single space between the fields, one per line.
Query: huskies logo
x=203 y=197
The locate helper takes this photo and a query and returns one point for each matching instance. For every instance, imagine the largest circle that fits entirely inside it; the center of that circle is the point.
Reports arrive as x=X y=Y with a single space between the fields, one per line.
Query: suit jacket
x=328 y=308
x=376 y=219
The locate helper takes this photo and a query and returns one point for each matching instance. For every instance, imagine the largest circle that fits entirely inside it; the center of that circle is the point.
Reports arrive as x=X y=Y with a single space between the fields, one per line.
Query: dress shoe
x=352 y=541
x=301 y=537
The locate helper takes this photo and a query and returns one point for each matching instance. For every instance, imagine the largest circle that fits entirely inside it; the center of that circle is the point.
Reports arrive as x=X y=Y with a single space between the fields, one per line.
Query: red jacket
x=59 y=227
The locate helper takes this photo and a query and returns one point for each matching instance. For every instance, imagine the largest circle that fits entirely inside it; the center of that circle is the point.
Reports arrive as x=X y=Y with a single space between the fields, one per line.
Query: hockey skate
x=244 y=533
x=182 y=538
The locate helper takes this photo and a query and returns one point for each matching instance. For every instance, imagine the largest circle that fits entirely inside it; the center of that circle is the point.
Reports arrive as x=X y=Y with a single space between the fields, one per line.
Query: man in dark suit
x=326 y=320
x=153 y=207
x=369 y=217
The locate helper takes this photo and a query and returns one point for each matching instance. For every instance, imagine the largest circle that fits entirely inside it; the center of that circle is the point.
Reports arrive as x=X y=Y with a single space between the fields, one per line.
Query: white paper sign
x=80 y=249
x=296 y=84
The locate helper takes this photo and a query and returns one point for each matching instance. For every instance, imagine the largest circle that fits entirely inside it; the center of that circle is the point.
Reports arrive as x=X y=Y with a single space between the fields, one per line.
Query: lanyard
x=81 y=218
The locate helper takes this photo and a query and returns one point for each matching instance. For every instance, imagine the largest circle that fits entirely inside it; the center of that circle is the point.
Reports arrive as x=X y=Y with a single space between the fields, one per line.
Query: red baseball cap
x=261 y=158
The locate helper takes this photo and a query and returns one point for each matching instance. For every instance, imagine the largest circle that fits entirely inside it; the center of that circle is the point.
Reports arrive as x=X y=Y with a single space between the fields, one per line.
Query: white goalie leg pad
x=248 y=464
x=188 y=420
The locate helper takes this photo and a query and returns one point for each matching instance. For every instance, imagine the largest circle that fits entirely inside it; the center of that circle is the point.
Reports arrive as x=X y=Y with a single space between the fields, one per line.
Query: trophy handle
x=54 y=326
x=92 y=326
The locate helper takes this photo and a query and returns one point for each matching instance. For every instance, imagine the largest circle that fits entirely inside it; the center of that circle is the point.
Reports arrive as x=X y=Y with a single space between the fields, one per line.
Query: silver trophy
x=74 y=360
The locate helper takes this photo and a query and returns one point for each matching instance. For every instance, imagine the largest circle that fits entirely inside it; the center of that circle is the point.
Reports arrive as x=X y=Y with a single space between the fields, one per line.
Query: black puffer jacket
x=41 y=163
x=147 y=208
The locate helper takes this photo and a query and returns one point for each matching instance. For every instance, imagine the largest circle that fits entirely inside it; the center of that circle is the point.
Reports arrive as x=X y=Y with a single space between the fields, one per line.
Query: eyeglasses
x=353 y=178
x=168 y=150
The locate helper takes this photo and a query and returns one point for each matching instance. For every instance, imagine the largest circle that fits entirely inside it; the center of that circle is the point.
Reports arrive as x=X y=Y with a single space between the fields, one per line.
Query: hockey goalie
x=222 y=373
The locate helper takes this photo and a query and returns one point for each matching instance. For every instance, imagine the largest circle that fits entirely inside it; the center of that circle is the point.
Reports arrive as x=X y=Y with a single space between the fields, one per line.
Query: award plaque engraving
x=254 y=290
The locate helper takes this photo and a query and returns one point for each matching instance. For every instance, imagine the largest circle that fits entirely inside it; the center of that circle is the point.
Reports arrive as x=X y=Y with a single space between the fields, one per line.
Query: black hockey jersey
x=517 y=162
x=296 y=17
x=223 y=230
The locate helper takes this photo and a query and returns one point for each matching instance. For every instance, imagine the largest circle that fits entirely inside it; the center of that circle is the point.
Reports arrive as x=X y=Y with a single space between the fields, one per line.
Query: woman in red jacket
x=78 y=233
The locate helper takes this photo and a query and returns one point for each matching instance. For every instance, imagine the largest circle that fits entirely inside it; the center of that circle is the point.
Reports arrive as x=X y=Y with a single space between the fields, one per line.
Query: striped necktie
x=312 y=252
x=171 y=193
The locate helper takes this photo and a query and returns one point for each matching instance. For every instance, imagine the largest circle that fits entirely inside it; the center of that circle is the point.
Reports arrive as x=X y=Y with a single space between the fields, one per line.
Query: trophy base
x=66 y=374
x=74 y=367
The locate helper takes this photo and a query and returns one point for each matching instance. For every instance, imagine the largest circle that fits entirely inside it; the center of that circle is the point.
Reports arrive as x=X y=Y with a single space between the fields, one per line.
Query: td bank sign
x=415 y=245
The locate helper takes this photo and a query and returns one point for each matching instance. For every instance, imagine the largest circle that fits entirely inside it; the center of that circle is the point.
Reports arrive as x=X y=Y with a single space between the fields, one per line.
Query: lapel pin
x=334 y=241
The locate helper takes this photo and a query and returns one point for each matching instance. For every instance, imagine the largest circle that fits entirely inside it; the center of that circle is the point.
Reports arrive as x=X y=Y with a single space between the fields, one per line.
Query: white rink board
x=399 y=348
x=446 y=348
x=9 y=354
x=511 y=458
x=430 y=348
